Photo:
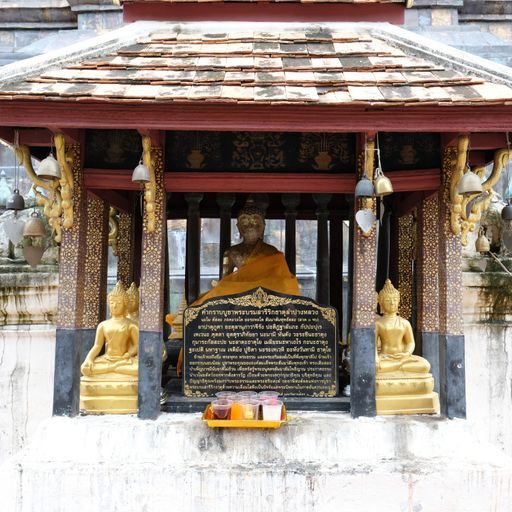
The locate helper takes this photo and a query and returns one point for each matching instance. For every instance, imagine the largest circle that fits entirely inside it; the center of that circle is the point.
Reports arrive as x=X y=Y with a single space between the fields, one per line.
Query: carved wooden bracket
x=369 y=164
x=149 y=188
x=113 y=220
x=66 y=161
x=467 y=211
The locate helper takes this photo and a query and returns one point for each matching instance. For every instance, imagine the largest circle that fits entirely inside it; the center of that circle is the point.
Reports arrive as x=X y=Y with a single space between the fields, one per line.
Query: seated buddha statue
x=252 y=263
x=403 y=382
x=248 y=265
x=109 y=382
x=132 y=307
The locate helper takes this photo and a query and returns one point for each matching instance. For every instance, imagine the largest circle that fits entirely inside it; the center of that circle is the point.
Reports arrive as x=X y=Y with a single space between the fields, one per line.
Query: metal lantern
x=469 y=184
x=383 y=186
x=34 y=226
x=16 y=201
x=49 y=168
x=141 y=174
x=506 y=213
x=364 y=188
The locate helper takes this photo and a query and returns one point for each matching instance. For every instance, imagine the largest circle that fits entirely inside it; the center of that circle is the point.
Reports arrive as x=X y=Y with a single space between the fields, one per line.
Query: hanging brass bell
x=16 y=201
x=34 y=226
x=141 y=174
x=506 y=213
x=383 y=186
x=469 y=184
x=482 y=243
x=49 y=168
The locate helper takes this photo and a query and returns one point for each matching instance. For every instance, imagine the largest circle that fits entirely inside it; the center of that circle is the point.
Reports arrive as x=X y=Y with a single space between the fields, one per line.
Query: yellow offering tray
x=213 y=423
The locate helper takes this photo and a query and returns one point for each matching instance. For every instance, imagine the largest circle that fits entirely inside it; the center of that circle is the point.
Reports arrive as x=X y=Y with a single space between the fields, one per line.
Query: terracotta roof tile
x=277 y=66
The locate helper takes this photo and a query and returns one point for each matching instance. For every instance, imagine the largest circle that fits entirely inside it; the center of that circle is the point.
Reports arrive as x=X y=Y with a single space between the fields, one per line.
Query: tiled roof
x=271 y=1
x=345 y=66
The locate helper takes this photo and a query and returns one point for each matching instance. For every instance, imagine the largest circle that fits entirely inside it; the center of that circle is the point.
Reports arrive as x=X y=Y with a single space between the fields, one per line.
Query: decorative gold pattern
x=450 y=253
x=406 y=244
x=52 y=201
x=428 y=265
x=72 y=254
x=322 y=150
x=125 y=249
x=95 y=268
x=364 y=302
x=259 y=299
x=153 y=251
x=149 y=157
x=466 y=212
x=66 y=161
x=258 y=151
x=113 y=233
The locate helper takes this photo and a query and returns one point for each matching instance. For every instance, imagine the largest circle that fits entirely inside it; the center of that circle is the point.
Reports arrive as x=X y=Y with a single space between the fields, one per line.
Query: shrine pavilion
x=293 y=102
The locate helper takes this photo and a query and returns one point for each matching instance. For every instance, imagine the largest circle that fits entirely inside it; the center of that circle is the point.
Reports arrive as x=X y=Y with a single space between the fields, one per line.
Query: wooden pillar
x=405 y=256
x=66 y=385
x=152 y=299
x=225 y=203
x=336 y=264
x=95 y=271
x=362 y=345
x=322 y=249
x=290 y=203
x=193 y=257
x=428 y=283
x=452 y=363
x=125 y=248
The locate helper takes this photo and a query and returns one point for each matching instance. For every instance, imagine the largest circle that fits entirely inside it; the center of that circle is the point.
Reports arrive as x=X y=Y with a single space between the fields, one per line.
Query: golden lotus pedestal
x=110 y=393
x=406 y=393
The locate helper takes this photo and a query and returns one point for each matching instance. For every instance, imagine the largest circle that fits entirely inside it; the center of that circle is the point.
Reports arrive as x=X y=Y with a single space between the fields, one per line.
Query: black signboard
x=260 y=340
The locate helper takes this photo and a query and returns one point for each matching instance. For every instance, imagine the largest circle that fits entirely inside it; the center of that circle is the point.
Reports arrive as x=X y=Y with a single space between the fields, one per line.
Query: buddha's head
x=389 y=298
x=251 y=222
x=133 y=299
x=118 y=300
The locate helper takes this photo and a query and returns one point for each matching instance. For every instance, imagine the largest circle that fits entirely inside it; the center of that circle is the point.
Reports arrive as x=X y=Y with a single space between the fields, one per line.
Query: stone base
x=419 y=404
x=109 y=394
x=317 y=462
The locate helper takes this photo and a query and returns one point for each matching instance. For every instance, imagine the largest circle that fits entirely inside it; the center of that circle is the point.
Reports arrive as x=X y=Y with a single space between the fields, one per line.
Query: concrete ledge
x=319 y=461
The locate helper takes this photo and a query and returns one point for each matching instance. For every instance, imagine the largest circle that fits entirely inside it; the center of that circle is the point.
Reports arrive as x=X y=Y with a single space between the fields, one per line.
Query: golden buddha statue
x=110 y=381
x=252 y=263
x=133 y=303
x=247 y=265
x=403 y=382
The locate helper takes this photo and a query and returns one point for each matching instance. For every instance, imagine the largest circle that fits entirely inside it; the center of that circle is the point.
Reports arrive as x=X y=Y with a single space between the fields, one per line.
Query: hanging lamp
x=141 y=174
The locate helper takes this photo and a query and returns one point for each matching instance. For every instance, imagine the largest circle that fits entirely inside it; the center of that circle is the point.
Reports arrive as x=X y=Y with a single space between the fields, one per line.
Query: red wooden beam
x=36 y=137
x=262 y=11
x=229 y=117
x=403 y=181
x=157 y=137
x=114 y=198
x=479 y=141
x=71 y=136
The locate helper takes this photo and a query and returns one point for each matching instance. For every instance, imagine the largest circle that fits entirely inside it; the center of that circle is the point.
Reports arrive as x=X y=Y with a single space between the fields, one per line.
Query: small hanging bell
x=16 y=201
x=49 y=168
x=364 y=188
x=383 y=186
x=506 y=213
x=34 y=226
x=482 y=243
x=469 y=184
x=141 y=174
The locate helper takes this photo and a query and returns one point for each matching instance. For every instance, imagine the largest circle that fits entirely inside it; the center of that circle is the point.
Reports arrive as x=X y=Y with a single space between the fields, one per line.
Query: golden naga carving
x=66 y=161
x=113 y=230
x=57 y=203
x=369 y=166
x=403 y=382
x=466 y=211
x=149 y=188
x=52 y=200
